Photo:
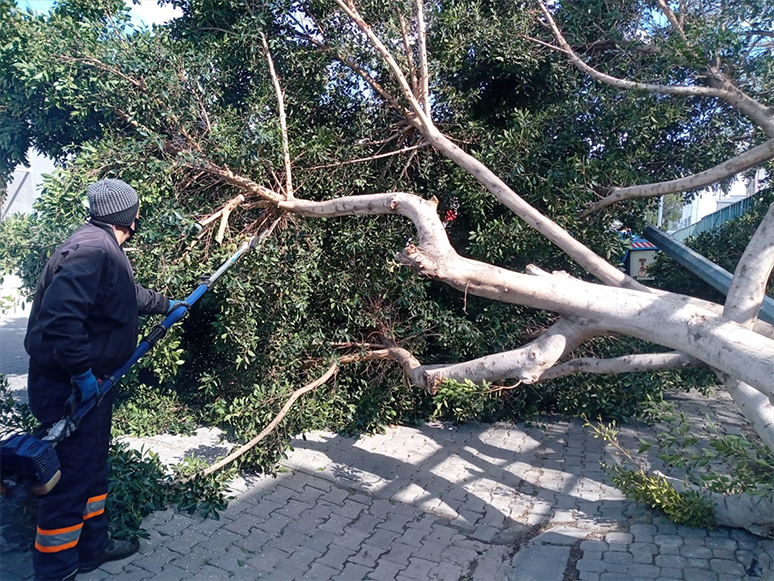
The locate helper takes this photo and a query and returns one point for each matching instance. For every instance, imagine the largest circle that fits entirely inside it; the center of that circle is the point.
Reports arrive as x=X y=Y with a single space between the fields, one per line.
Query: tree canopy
x=476 y=139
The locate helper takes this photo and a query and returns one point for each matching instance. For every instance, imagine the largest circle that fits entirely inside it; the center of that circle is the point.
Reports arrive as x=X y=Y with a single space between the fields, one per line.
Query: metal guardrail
x=715 y=276
x=714 y=220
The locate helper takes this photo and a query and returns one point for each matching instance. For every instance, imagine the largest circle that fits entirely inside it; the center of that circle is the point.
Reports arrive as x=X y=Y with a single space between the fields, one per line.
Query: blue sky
x=146 y=12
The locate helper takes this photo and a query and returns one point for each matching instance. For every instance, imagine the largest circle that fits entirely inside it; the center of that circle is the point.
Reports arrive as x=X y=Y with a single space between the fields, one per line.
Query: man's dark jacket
x=85 y=310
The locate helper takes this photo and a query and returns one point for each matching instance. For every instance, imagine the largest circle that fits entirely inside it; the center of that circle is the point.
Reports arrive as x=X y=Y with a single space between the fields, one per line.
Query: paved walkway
x=467 y=503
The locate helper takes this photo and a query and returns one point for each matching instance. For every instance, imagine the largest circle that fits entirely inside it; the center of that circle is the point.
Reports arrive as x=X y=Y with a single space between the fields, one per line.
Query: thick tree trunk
x=667 y=319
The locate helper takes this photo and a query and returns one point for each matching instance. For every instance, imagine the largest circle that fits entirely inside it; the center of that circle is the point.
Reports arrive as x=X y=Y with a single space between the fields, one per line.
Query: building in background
x=24 y=186
x=707 y=202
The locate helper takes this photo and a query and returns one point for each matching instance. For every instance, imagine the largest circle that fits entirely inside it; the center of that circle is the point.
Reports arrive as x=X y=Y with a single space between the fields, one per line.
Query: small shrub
x=687 y=507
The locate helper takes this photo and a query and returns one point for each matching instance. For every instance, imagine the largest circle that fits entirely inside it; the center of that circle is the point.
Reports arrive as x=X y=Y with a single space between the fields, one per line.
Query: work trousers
x=72 y=521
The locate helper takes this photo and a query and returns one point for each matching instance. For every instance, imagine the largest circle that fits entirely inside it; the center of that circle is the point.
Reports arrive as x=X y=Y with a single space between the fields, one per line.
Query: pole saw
x=34 y=460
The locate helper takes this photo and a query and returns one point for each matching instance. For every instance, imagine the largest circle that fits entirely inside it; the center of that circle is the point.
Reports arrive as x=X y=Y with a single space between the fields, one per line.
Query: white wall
x=25 y=184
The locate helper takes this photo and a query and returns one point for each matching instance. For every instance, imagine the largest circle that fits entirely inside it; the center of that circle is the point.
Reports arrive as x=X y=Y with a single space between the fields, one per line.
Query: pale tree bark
x=525 y=364
x=743 y=303
x=627 y=364
x=749 y=159
x=719 y=87
x=666 y=319
x=282 y=120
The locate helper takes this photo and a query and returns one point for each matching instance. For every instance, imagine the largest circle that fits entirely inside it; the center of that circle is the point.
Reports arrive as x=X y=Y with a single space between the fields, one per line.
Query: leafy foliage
x=687 y=507
x=140 y=485
x=721 y=462
x=14 y=417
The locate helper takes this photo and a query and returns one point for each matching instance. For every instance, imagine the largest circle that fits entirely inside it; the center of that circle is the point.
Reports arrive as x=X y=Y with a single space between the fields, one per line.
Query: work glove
x=172 y=304
x=86 y=385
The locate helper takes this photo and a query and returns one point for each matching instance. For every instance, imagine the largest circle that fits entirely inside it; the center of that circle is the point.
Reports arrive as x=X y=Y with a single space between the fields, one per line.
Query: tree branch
x=621 y=83
x=667 y=319
x=672 y=19
x=373 y=83
x=282 y=119
x=743 y=303
x=355 y=16
x=723 y=89
x=625 y=364
x=525 y=364
x=239 y=181
x=593 y=264
x=424 y=72
x=371 y=158
x=749 y=159
x=273 y=424
x=753 y=271
x=409 y=53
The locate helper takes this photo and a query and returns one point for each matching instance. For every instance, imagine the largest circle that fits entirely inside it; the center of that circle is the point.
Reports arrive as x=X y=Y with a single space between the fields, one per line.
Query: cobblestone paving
x=468 y=503
x=475 y=502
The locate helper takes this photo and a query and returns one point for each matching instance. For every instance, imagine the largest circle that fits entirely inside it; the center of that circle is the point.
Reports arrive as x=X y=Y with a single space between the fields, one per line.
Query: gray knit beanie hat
x=113 y=202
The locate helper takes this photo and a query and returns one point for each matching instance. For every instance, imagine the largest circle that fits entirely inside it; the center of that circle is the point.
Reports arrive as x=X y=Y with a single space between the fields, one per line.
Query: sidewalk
x=474 y=502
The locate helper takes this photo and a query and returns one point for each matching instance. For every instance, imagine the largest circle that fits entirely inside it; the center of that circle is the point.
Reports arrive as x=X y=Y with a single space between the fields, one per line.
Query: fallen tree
x=391 y=58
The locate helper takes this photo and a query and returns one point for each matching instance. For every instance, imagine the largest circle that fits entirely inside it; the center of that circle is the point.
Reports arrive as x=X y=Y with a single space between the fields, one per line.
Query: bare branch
x=409 y=53
x=355 y=16
x=373 y=157
x=749 y=159
x=621 y=83
x=745 y=296
x=97 y=64
x=525 y=364
x=274 y=423
x=748 y=287
x=411 y=365
x=373 y=83
x=625 y=364
x=239 y=181
x=755 y=406
x=424 y=72
x=230 y=205
x=546 y=44
x=283 y=120
x=720 y=87
x=225 y=213
x=672 y=19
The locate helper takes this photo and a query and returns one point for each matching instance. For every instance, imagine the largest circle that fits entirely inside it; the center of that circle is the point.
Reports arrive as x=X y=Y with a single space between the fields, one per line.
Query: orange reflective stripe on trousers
x=95 y=506
x=55 y=540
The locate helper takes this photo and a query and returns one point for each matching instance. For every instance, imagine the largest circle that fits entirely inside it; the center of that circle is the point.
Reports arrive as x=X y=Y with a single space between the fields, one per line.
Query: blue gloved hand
x=86 y=384
x=172 y=304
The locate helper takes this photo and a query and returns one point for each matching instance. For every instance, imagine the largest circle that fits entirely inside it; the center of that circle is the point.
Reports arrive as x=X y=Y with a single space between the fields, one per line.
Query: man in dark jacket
x=83 y=324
